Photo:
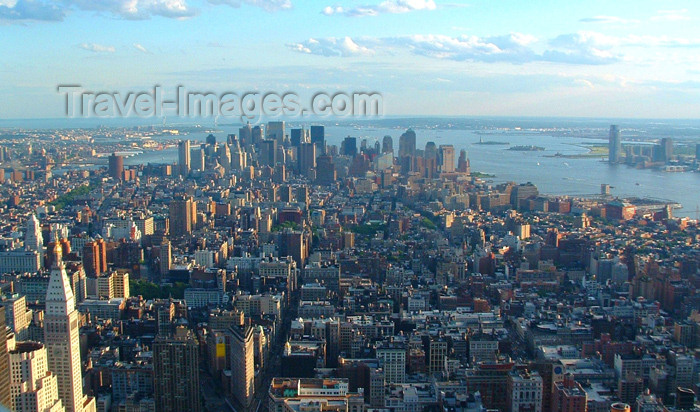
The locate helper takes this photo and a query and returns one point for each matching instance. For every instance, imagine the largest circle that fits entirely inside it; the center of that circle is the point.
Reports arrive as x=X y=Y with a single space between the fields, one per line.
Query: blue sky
x=427 y=57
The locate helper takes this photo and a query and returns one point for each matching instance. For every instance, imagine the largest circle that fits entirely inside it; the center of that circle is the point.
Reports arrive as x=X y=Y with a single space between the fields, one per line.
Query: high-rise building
x=276 y=131
x=176 y=372
x=307 y=157
x=447 y=158
x=524 y=391
x=569 y=396
x=407 y=143
x=245 y=135
x=242 y=364
x=183 y=160
x=16 y=315
x=325 y=170
x=667 y=149
x=268 y=152
x=614 y=145
x=62 y=338
x=32 y=386
x=298 y=136
x=388 y=145
x=181 y=210
x=349 y=147
x=33 y=239
x=4 y=365
x=393 y=361
x=166 y=257
x=116 y=166
x=257 y=134
x=318 y=137
x=293 y=243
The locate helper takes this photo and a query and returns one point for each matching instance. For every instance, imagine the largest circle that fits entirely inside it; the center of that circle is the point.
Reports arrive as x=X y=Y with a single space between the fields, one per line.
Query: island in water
x=528 y=148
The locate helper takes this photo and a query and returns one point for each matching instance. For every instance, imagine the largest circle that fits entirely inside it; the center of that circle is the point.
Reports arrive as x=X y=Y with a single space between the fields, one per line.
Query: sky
x=587 y=58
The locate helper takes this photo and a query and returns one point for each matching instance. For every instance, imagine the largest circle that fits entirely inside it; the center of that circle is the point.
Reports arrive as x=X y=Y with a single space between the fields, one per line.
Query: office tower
x=116 y=166
x=275 y=131
x=166 y=257
x=181 y=210
x=614 y=145
x=183 y=157
x=91 y=259
x=17 y=318
x=197 y=159
x=318 y=137
x=463 y=162
x=307 y=157
x=407 y=143
x=33 y=387
x=292 y=243
x=238 y=157
x=245 y=135
x=697 y=152
x=176 y=372
x=388 y=145
x=4 y=366
x=303 y=195
x=298 y=136
x=349 y=147
x=447 y=158
x=667 y=149
x=62 y=338
x=268 y=153
x=257 y=134
x=524 y=392
x=102 y=254
x=431 y=159
x=325 y=170
x=33 y=239
x=242 y=364
x=437 y=351
x=393 y=361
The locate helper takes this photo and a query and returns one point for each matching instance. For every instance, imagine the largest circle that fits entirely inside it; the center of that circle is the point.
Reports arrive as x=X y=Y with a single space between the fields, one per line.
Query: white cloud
x=331 y=47
x=97 y=48
x=607 y=20
x=140 y=48
x=671 y=15
x=385 y=7
x=137 y=9
x=19 y=10
x=268 y=5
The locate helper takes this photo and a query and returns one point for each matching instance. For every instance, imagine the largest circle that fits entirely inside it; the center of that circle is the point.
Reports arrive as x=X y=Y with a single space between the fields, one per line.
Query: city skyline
x=628 y=59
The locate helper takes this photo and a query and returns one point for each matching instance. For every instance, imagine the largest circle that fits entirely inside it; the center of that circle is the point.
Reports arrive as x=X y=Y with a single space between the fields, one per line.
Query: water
x=552 y=175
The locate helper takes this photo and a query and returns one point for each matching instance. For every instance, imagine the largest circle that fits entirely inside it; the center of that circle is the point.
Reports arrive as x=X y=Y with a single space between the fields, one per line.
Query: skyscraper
x=33 y=239
x=166 y=257
x=181 y=211
x=183 y=152
x=407 y=143
x=349 y=147
x=307 y=157
x=325 y=170
x=176 y=372
x=388 y=145
x=463 y=162
x=318 y=137
x=4 y=366
x=275 y=130
x=62 y=338
x=268 y=152
x=667 y=149
x=34 y=387
x=614 y=145
x=242 y=364
x=447 y=158
x=116 y=166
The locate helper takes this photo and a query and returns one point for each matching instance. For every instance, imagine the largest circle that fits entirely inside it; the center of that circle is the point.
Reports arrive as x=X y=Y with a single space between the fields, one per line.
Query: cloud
x=97 y=48
x=140 y=48
x=607 y=20
x=516 y=48
x=137 y=9
x=385 y=7
x=20 y=10
x=331 y=47
x=268 y=5
x=671 y=15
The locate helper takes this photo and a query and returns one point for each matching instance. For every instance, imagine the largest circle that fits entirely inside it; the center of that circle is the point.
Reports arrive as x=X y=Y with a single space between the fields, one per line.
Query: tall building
x=4 y=366
x=268 y=152
x=181 y=210
x=569 y=396
x=298 y=136
x=614 y=145
x=393 y=361
x=62 y=338
x=33 y=239
x=307 y=157
x=388 y=145
x=257 y=134
x=447 y=158
x=242 y=364
x=325 y=170
x=524 y=393
x=166 y=257
x=407 y=143
x=667 y=149
x=349 y=147
x=176 y=372
x=116 y=166
x=318 y=138
x=276 y=131
x=183 y=159
x=33 y=387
